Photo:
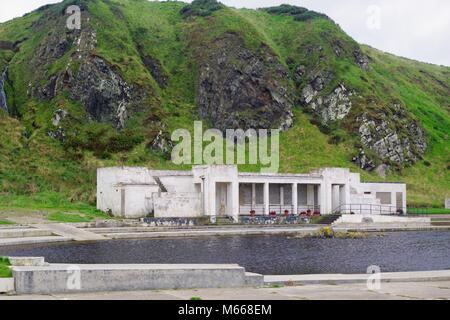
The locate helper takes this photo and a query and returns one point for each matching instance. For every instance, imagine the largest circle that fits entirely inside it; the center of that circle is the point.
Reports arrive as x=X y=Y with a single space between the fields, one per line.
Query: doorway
x=223 y=199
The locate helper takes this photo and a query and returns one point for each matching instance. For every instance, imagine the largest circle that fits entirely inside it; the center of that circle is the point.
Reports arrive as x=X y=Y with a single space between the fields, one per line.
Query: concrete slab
x=388 y=291
x=6 y=285
x=66 y=230
x=63 y=278
x=419 y=276
x=32 y=240
x=27 y=261
x=22 y=233
x=212 y=232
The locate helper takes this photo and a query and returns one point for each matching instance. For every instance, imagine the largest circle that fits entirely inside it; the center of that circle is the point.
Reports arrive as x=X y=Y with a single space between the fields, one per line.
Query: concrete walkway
x=213 y=232
x=68 y=231
x=417 y=276
x=388 y=291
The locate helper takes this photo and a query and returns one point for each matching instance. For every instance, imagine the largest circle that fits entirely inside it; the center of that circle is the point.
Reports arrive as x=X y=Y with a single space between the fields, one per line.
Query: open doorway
x=223 y=199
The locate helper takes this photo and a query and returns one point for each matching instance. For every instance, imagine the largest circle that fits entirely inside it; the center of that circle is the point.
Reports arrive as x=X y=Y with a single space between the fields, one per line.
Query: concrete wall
x=360 y=218
x=59 y=278
x=182 y=205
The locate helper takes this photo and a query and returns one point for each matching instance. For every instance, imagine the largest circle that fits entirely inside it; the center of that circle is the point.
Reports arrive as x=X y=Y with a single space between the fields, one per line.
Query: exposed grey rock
x=299 y=74
x=332 y=107
x=162 y=143
x=96 y=84
x=395 y=138
x=363 y=161
x=382 y=170
x=103 y=92
x=59 y=115
x=58 y=134
x=362 y=60
x=3 y=101
x=154 y=67
x=240 y=89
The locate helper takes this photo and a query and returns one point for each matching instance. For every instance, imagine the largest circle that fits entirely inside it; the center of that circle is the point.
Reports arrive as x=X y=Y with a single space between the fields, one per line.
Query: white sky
x=410 y=28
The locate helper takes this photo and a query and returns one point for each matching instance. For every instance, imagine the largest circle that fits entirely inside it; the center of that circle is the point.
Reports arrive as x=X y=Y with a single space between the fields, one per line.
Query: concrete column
x=320 y=197
x=202 y=190
x=282 y=195
x=235 y=200
x=344 y=198
x=253 y=194
x=266 y=199
x=336 y=196
x=325 y=198
x=294 y=198
x=212 y=200
x=310 y=195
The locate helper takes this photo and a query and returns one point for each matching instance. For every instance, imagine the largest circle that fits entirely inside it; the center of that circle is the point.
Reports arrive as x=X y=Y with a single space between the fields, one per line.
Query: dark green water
x=400 y=251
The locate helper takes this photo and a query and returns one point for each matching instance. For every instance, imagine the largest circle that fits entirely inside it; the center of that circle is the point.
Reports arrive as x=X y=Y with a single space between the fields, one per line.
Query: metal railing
x=246 y=209
x=381 y=209
x=280 y=210
x=307 y=208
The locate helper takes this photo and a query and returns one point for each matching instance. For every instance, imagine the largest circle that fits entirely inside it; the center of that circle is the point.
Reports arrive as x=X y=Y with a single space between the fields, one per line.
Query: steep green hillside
x=112 y=93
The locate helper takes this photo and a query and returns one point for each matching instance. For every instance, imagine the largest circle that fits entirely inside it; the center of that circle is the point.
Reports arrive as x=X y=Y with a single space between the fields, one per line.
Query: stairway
x=329 y=219
x=161 y=186
x=224 y=221
x=17 y=235
x=440 y=222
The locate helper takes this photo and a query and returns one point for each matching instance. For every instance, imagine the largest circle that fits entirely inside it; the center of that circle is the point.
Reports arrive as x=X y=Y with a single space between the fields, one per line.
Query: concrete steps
x=211 y=232
x=32 y=240
x=68 y=231
x=441 y=221
x=24 y=233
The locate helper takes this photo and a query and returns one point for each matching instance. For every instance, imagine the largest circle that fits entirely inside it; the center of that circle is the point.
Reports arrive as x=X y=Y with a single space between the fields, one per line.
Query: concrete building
x=222 y=191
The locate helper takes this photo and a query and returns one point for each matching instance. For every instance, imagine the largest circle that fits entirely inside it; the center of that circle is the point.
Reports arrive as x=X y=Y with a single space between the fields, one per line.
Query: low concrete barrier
x=308 y=279
x=64 y=278
x=27 y=261
x=367 y=218
x=6 y=285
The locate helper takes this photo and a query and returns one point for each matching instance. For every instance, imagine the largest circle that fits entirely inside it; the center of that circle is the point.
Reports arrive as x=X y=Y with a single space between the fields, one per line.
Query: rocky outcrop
x=362 y=60
x=95 y=83
x=102 y=91
x=3 y=101
x=58 y=132
x=331 y=107
x=238 y=88
x=58 y=116
x=393 y=137
x=154 y=67
x=161 y=143
x=363 y=161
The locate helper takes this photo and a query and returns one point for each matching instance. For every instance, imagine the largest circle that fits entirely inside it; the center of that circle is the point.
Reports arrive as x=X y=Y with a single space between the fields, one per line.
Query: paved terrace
x=388 y=291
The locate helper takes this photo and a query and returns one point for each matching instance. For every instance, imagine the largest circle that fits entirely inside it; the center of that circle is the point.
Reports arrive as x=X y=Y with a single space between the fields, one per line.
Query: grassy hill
x=152 y=54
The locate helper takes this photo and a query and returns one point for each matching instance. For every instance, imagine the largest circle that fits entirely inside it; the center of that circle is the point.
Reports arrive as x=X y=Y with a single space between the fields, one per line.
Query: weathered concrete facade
x=221 y=191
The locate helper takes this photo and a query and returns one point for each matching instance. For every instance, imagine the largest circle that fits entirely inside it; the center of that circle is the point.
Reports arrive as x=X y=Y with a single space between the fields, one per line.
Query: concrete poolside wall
x=64 y=278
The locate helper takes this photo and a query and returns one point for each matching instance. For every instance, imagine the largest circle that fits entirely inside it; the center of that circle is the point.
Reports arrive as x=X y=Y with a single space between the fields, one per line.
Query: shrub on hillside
x=309 y=16
x=101 y=139
x=299 y=13
x=201 y=8
x=285 y=9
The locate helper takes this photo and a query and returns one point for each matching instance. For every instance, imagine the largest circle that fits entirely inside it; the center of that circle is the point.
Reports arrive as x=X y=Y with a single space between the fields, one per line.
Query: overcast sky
x=410 y=28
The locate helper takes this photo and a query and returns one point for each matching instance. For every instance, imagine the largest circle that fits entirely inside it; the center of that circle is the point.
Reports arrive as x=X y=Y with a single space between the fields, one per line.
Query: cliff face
x=240 y=89
x=138 y=69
